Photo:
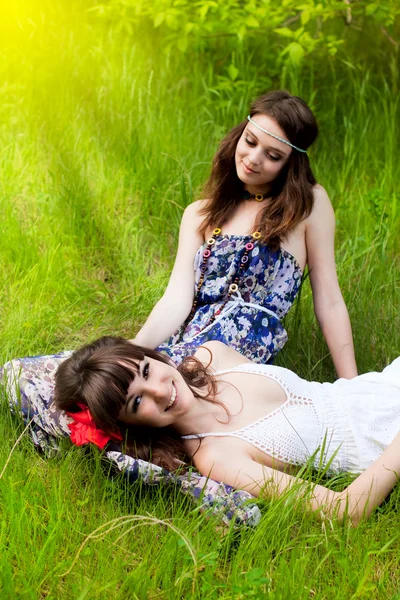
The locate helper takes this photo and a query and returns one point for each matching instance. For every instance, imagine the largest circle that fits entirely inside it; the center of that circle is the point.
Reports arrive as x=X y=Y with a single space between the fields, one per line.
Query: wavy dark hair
x=98 y=375
x=291 y=197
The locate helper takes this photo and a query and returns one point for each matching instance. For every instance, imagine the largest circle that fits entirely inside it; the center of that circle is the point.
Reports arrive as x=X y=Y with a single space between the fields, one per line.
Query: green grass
x=104 y=139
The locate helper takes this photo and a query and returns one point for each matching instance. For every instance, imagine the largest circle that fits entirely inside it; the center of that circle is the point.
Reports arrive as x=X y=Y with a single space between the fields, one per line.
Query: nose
x=255 y=156
x=156 y=390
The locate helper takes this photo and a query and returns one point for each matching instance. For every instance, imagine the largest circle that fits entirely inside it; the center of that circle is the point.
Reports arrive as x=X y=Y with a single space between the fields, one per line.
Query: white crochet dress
x=347 y=423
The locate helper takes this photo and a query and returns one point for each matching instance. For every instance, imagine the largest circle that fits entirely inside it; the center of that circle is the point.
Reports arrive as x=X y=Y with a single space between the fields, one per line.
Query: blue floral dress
x=251 y=320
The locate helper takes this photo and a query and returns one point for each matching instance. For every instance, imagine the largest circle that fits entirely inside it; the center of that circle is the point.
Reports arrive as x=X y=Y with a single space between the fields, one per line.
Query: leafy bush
x=290 y=31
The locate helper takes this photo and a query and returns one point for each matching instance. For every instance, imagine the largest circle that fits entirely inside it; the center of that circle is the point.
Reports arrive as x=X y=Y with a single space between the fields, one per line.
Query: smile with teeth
x=172 y=399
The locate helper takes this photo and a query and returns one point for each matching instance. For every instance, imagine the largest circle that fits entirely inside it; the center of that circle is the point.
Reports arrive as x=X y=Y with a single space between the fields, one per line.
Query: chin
x=244 y=178
x=247 y=178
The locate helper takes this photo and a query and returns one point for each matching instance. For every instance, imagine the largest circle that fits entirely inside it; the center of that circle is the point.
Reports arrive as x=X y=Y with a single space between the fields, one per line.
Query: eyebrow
x=281 y=152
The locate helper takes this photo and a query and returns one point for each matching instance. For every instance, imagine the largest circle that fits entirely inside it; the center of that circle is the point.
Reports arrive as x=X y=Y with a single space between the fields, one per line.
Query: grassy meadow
x=104 y=139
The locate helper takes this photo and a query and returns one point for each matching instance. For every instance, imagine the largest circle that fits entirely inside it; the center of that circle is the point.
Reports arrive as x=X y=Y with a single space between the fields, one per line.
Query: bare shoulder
x=192 y=211
x=192 y=216
x=190 y=225
x=202 y=204
x=322 y=208
x=219 y=356
x=321 y=198
x=319 y=191
x=195 y=208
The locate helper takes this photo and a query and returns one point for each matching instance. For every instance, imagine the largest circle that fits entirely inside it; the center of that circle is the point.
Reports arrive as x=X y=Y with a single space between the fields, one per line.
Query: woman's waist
x=239 y=306
x=338 y=446
x=277 y=305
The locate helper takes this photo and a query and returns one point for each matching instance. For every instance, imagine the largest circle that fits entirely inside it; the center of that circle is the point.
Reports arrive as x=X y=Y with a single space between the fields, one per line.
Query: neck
x=201 y=418
x=257 y=189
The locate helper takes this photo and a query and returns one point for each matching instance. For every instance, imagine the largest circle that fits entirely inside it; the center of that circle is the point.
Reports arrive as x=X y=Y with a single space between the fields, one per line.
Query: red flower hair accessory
x=84 y=430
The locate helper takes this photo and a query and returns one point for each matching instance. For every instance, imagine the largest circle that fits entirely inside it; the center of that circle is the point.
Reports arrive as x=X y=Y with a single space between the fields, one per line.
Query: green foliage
x=287 y=32
x=104 y=139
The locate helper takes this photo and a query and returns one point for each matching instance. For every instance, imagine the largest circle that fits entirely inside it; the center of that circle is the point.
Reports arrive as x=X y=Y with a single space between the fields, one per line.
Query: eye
x=273 y=158
x=146 y=370
x=249 y=142
x=136 y=402
x=138 y=399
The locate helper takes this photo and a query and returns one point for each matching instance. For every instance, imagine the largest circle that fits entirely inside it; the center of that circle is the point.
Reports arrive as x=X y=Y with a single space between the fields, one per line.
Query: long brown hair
x=291 y=197
x=98 y=375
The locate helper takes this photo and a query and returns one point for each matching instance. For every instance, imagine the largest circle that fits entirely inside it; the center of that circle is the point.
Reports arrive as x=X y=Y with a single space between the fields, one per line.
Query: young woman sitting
x=248 y=425
x=243 y=250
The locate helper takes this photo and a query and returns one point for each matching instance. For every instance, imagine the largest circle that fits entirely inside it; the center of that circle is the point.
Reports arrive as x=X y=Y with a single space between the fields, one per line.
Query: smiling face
x=259 y=157
x=157 y=397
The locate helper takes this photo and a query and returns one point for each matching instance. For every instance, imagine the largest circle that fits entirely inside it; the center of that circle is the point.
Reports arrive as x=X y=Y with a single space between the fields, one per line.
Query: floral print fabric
x=250 y=322
x=29 y=385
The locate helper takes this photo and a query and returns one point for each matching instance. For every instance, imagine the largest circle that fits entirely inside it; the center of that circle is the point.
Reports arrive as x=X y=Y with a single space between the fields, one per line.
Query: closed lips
x=248 y=168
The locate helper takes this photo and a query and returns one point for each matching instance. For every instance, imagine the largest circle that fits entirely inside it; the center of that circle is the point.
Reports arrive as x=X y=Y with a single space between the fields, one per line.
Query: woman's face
x=157 y=397
x=259 y=157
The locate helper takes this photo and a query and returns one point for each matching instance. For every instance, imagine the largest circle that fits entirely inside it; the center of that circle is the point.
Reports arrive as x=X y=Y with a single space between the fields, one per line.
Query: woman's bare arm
x=224 y=462
x=175 y=304
x=330 y=308
x=370 y=488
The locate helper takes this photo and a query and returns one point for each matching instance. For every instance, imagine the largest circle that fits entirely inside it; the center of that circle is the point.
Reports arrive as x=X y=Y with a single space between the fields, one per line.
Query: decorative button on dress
x=249 y=318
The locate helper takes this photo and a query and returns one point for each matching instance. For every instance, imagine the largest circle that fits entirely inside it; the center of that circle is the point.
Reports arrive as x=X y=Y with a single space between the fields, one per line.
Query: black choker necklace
x=259 y=197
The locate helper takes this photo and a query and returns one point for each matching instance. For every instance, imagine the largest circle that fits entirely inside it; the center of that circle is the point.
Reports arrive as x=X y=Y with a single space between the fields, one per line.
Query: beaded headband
x=275 y=136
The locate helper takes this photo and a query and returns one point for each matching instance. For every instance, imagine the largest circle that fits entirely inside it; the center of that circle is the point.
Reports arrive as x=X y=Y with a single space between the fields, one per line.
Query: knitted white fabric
x=346 y=424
